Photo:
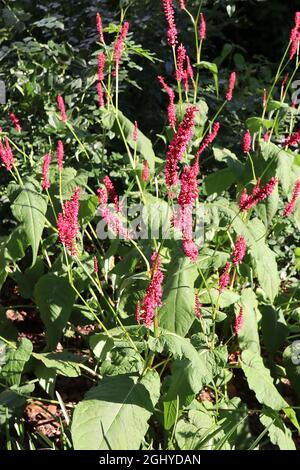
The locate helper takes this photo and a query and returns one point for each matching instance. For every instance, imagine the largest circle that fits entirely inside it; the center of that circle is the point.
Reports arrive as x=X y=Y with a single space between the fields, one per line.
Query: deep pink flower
x=182 y=4
x=266 y=137
x=101 y=65
x=295 y=36
x=239 y=250
x=170 y=18
x=171 y=106
x=99 y=27
x=6 y=155
x=290 y=206
x=60 y=154
x=96 y=266
x=178 y=145
x=197 y=306
x=62 y=109
x=259 y=194
x=247 y=142
x=112 y=194
x=224 y=279
x=100 y=95
x=188 y=185
x=181 y=56
x=45 y=171
x=202 y=29
x=293 y=140
x=154 y=292
x=112 y=220
x=119 y=45
x=239 y=322
x=135 y=133
x=145 y=174
x=209 y=138
x=67 y=222
x=190 y=249
x=231 y=85
x=15 y=121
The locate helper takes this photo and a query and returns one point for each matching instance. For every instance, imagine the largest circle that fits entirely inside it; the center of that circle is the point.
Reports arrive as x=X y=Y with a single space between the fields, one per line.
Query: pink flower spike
x=290 y=206
x=202 y=29
x=119 y=44
x=45 y=172
x=259 y=194
x=145 y=174
x=99 y=27
x=247 y=142
x=112 y=220
x=135 y=133
x=15 y=121
x=178 y=145
x=224 y=278
x=209 y=139
x=190 y=249
x=181 y=56
x=239 y=250
x=101 y=65
x=231 y=85
x=67 y=222
x=6 y=155
x=239 y=322
x=100 y=95
x=182 y=4
x=170 y=18
x=266 y=137
x=96 y=266
x=154 y=292
x=60 y=155
x=197 y=306
x=171 y=106
x=295 y=36
x=62 y=109
x=112 y=194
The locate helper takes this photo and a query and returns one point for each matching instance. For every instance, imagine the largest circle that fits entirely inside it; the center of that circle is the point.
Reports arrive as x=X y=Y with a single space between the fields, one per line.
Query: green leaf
x=265 y=260
x=255 y=123
x=15 y=359
x=279 y=434
x=213 y=68
x=274 y=328
x=114 y=415
x=260 y=381
x=179 y=393
x=63 y=363
x=13 y=249
x=178 y=311
x=283 y=162
x=219 y=181
x=55 y=298
x=248 y=334
x=100 y=344
x=29 y=208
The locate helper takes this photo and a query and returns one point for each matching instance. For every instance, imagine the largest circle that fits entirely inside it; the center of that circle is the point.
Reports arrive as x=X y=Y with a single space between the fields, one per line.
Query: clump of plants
x=164 y=296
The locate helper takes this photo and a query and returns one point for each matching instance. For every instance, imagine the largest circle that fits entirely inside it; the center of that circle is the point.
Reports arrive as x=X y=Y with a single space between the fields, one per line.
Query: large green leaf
x=114 y=415
x=55 y=298
x=63 y=363
x=260 y=381
x=283 y=163
x=15 y=359
x=265 y=260
x=279 y=434
x=178 y=311
x=29 y=208
x=248 y=334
